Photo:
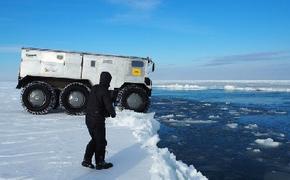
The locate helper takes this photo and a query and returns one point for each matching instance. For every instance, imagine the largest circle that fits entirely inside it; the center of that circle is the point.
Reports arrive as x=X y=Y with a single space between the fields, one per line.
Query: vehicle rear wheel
x=74 y=98
x=38 y=97
x=134 y=98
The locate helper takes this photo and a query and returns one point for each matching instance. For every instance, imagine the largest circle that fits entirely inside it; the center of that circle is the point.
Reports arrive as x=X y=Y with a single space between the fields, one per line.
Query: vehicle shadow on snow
x=123 y=161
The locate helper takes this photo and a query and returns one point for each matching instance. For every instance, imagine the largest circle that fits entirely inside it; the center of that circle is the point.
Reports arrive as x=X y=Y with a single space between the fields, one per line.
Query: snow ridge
x=248 y=86
x=165 y=165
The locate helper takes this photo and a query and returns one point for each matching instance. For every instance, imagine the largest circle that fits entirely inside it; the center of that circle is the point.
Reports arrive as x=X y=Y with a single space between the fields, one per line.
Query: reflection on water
x=223 y=136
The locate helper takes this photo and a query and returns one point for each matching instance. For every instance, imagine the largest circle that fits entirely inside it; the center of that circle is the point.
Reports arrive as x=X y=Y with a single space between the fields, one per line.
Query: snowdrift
x=165 y=165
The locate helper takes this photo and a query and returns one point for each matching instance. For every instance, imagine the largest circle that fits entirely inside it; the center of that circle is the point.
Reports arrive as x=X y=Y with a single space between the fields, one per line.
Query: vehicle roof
x=85 y=53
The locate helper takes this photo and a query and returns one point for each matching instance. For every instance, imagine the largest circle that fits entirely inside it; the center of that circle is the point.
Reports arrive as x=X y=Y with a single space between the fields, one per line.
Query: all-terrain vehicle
x=52 y=78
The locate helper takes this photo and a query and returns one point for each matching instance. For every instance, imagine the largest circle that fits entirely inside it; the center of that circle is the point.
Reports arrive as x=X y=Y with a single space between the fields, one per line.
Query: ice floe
x=251 y=126
x=269 y=142
x=232 y=125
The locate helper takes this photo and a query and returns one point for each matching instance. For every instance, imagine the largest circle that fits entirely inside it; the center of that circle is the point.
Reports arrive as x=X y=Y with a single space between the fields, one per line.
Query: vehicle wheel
x=134 y=98
x=74 y=98
x=38 y=97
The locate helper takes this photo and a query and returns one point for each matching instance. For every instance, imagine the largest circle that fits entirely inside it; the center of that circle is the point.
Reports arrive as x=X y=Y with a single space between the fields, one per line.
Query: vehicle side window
x=93 y=63
x=137 y=64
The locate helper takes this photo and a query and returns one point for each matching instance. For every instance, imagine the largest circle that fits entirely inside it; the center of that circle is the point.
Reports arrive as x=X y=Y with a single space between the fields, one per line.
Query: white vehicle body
x=75 y=65
x=57 y=70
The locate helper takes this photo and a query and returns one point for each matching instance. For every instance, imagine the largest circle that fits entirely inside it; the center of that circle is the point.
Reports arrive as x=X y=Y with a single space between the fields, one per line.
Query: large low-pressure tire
x=38 y=97
x=74 y=98
x=134 y=98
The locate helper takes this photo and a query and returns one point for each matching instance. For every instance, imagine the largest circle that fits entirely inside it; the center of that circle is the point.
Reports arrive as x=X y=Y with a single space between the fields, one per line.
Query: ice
x=200 y=121
x=168 y=116
x=277 y=112
x=180 y=87
x=233 y=88
x=249 y=110
x=265 y=89
x=52 y=146
x=214 y=117
x=282 y=135
x=256 y=150
x=228 y=85
x=258 y=134
x=232 y=125
x=188 y=121
x=251 y=126
x=269 y=142
x=180 y=115
x=159 y=103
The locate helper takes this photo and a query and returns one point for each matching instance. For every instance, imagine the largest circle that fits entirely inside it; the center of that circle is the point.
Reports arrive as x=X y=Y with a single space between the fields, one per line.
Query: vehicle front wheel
x=134 y=98
x=74 y=98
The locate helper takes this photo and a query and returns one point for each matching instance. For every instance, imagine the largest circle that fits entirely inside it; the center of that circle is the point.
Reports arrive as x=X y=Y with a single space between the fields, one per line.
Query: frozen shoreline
x=52 y=146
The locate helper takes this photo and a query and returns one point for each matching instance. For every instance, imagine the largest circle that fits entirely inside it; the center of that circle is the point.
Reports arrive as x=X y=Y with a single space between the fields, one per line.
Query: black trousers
x=97 y=144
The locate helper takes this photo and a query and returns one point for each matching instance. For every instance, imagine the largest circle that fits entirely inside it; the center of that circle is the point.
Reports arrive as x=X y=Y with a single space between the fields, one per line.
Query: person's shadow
x=123 y=161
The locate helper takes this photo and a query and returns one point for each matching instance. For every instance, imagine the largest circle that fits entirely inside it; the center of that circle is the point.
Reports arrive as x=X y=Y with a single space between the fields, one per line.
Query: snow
x=269 y=142
x=232 y=125
x=51 y=146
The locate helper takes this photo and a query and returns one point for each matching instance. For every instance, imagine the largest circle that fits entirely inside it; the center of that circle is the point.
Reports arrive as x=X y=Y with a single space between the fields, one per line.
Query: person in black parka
x=99 y=107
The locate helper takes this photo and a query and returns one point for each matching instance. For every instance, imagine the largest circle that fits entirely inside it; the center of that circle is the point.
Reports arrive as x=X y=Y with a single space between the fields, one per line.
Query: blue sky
x=197 y=39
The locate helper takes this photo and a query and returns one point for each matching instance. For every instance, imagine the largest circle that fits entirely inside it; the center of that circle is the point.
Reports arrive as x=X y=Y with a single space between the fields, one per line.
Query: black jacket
x=100 y=103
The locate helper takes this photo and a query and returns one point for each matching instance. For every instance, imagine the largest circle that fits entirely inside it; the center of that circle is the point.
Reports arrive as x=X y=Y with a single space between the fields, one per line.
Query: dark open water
x=216 y=131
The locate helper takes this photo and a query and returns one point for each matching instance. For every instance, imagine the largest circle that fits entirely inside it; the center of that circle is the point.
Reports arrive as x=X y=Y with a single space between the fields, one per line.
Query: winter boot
x=88 y=164
x=102 y=164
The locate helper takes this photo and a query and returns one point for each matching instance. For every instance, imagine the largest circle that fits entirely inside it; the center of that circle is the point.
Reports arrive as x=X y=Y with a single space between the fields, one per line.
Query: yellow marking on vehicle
x=136 y=71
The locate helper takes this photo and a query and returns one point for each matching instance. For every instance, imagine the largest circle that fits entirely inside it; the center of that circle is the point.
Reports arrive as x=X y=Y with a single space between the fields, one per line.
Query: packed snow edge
x=165 y=165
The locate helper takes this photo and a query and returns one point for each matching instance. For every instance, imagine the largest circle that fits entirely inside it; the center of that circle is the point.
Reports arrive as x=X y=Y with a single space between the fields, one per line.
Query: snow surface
x=51 y=146
x=269 y=142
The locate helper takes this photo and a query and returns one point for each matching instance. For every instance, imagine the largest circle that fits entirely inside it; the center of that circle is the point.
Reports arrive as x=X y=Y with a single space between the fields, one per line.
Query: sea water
x=227 y=130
